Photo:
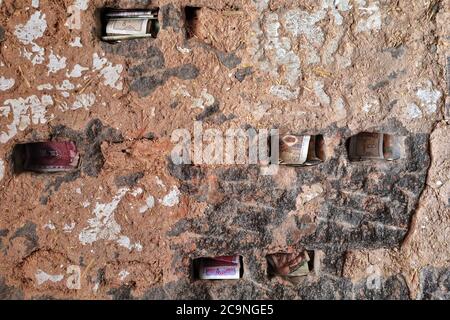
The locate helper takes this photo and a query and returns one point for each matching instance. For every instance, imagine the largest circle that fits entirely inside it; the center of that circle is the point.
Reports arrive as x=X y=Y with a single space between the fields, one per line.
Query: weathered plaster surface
x=131 y=220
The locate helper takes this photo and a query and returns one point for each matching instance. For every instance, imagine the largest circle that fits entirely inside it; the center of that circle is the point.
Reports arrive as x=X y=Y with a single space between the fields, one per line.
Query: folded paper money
x=224 y=267
x=373 y=145
x=297 y=150
x=289 y=264
x=51 y=156
x=130 y=24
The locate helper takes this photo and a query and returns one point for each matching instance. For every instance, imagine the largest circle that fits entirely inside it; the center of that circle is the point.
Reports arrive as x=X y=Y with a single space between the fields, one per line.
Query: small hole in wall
x=290 y=265
x=191 y=15
x=299 y=150
x=45 y=157
x=218 y=268
x=375 y=146
x=126 y=24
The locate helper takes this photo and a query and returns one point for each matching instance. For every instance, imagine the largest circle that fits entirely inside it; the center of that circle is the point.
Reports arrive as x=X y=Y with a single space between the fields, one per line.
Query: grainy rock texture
x=129 y=221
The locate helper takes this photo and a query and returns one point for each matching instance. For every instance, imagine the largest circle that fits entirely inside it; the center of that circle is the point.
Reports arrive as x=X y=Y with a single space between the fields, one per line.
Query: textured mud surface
x=131 y=220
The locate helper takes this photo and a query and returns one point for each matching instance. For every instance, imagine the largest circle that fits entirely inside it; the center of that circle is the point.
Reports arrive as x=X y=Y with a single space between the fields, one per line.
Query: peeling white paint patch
x=261 y=5
x=172 y=198
x=6 y=84
x=335 y=6
x=42 y=277
x=103 y=226
x=111 y=73
x=77 y=71
x=55 y=63
x=97 y=62
x=84 y=100
x=32 y=30
x=49 y=225
x=371 y=105
x=123 y=274
x=413 y=111
x=312 y=57
x=331 y=47
x=180 y=90
x=35 y=3
x=284 y=92
x=339 y=107
x=2 y=169
x=260 y=110
x=321 y=94
x=136 y=192
x=68 y=228
x=429 y=97
x=149 y=204
x=205 y=100
x=25 y=111
x=273 y=52
x=299 y=22
x=28 y=33
x=76 y=43
x=159 y=182
x=125 y=242
x=183 y=50
x=81 y=4
x=46 y=86
x=373 y=16
x=66 y=85
x=39 y=56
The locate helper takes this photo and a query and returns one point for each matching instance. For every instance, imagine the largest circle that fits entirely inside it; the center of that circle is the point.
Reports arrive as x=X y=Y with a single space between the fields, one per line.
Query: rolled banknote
x=127 y=27
x=51 y=156
x=125 y=13
x=366 y=145
x=289 y=264
x=294 y=149
x=227 y=267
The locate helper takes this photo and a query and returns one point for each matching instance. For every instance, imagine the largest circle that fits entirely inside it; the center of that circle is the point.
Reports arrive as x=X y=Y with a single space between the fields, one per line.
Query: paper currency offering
x=289 y=264
x=294 y=149
x=51 y=156
x=127 y=27
x=226 y=267
x=118 y=13
x=366 y=145
x=130 y=24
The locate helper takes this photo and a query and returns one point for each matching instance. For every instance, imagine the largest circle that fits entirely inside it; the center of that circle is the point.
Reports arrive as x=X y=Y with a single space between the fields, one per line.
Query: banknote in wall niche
x=218 y=268
x=301 y=150
x=46 y=157
x=119 y=25
x=375 y=146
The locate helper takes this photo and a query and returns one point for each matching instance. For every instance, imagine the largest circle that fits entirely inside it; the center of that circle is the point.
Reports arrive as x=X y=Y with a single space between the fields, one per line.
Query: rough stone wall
x=132 y=220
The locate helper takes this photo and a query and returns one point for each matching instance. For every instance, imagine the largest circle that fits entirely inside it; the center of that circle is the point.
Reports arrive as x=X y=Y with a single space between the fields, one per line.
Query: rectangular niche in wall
x=301 y=150
x=45 y=157
x=375 y=146
x=127 y=24
x=218 y=268
x=290 y=265
x=191 y=15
